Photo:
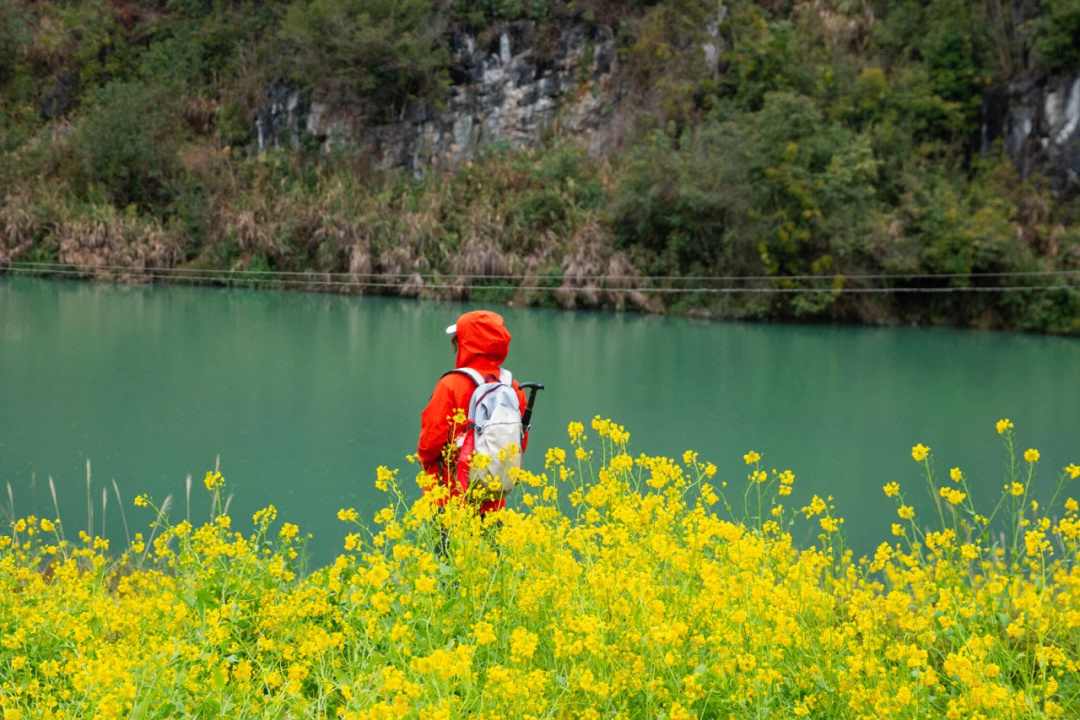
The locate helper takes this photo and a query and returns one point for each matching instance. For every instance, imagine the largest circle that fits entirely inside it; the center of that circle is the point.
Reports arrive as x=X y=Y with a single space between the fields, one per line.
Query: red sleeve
x=434 y=426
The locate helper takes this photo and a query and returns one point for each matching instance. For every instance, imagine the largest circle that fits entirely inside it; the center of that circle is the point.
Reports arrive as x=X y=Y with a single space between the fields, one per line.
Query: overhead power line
x=311 y=279
x=304 y=274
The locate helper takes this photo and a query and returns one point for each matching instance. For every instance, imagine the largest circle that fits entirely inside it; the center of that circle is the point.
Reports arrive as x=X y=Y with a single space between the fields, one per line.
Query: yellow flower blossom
x=483 y=633
x=213 y=480
x=919 y=452
x=554 y=458
x=581 y=609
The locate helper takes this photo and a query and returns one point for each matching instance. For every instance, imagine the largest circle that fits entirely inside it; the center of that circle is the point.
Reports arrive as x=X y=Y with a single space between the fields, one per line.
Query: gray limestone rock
x=1037 y=118
x=501 y=91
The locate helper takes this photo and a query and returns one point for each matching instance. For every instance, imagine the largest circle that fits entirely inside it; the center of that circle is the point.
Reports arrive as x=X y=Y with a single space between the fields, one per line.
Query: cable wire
x=46 y=266
x=311 y=279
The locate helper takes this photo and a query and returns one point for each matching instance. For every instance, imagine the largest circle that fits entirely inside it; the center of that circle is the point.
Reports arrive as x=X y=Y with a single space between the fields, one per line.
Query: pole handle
x=533 y=388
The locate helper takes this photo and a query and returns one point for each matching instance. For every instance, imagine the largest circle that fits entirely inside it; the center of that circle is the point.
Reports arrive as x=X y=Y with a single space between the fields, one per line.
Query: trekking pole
x=526 y=419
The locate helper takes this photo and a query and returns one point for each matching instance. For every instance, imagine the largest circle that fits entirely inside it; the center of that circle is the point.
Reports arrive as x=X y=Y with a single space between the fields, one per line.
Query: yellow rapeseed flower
x=213 y=480
x=919 y=452
x=952 y=495
x=1031 y=455
x=541 y=610
x=484 y=633
x=751 y=457
x=956 y=475
x=266 y=515
x=1003 y=425
x=1015 y=489
x=1073 y=469
x=554 y=457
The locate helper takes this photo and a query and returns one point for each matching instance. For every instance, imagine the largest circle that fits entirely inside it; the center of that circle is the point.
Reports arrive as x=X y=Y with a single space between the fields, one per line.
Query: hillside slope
x=810 y=160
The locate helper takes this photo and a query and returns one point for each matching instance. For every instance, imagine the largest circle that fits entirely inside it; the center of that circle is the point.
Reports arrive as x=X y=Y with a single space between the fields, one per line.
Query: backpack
x=494 y=424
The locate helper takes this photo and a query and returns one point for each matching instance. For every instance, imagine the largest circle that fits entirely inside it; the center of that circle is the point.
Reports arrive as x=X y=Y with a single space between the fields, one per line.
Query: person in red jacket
x=481 y=341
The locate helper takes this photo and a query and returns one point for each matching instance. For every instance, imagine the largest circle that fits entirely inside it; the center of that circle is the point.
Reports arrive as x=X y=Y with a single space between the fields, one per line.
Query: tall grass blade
x=11 y=502
x=157 y=524
x=104 y=504
x=89 y=503
x=187 y=491
x=215 y=506
x=123 y=517
x=56 y=506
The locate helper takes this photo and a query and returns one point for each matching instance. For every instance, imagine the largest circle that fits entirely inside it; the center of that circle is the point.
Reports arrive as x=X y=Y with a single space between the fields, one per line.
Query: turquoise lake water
x=302 y=396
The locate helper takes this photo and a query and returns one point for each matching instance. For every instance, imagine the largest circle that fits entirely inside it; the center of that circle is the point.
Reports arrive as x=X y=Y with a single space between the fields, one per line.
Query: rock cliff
x=507 y=86
x=1037 y=118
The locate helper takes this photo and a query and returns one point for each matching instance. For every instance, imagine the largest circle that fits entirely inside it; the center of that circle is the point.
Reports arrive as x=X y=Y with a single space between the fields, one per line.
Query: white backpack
x=495 y=422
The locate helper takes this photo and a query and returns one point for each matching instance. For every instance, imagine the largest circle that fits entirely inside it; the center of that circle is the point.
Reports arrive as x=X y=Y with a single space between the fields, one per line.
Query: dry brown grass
x=18 y=227
x=108 y=242
x=594 y=275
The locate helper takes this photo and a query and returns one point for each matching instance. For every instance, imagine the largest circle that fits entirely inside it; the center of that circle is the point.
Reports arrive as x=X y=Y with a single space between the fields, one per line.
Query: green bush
x=11 y=22
x=949 y=39
x=1057 y=34
x=129 y=143
x=780 y=191
x=387 y=52
x=674 y=203
x=232 y=124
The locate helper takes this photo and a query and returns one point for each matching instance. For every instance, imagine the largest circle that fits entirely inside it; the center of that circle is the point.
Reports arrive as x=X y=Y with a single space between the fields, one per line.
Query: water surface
x=302 y=396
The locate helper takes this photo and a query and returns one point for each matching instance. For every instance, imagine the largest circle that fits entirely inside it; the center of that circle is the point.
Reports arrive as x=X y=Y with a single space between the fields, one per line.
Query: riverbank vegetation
x=812 y=145
x=622 y=587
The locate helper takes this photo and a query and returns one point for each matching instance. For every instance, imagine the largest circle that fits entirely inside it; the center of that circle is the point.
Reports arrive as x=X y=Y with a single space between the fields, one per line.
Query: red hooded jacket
x=483 y=342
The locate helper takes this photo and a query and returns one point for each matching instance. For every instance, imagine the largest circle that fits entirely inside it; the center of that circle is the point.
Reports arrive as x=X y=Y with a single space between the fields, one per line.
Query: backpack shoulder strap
x=506 y=377
x=468 y=372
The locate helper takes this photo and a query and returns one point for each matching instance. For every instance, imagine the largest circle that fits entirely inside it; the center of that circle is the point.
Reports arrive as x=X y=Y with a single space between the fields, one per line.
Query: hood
x=483 y=340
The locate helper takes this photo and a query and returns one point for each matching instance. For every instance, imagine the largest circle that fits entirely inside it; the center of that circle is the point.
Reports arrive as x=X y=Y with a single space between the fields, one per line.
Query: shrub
x=129 y=144
x=1057 y=34
x=387 y=52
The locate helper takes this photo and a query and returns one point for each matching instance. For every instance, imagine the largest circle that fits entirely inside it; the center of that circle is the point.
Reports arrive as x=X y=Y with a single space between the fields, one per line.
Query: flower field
x=625 y=587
